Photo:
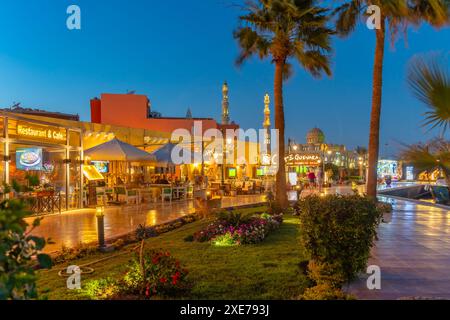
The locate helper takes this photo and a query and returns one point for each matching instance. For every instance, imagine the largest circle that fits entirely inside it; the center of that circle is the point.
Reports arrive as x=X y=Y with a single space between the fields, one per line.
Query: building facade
x=316 y=153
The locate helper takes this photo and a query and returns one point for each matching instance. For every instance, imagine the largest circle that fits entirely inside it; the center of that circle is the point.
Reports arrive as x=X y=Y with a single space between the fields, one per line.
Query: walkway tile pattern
x=413 y=252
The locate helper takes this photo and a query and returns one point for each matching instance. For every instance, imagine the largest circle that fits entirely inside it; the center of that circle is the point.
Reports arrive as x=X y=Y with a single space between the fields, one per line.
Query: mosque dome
x=315 y=136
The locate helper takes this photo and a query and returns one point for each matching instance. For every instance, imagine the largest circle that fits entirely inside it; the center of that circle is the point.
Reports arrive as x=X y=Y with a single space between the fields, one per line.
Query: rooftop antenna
x=15 y=105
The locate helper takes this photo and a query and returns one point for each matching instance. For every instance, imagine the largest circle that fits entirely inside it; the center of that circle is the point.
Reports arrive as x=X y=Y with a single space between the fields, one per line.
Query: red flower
x=163 y=280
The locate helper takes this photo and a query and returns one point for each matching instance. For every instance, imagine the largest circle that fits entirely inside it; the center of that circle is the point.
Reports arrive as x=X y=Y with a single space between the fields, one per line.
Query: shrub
x=162 y=275
x=226 y=240
x=253 y=230
x=384 y=207
x=17 y=249
x=233 y=218
x=324 y=291
x=74 y=253
x=339 y=231
x=325 y=273
x=102 y=289
x=210 y=232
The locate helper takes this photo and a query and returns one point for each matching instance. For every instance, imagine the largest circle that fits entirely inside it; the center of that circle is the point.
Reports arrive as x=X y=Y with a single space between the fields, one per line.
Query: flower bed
x=253 y=230
x=156 y=274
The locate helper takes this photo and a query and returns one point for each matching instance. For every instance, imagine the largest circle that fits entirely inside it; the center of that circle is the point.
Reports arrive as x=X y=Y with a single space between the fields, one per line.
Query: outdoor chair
x=166 y=194
x=227 y=189
x=190 y=192
x=109 y=194
x=246 y=188
x=121 y=194
x=132 y=196
x=101 y=196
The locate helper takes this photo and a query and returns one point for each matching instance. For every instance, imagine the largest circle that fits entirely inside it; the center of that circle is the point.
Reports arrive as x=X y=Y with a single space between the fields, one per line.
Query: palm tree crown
x=283 y=29
x=429 y=157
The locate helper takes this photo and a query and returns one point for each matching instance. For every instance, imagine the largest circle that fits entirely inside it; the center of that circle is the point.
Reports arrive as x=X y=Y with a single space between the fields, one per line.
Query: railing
x=43 y=202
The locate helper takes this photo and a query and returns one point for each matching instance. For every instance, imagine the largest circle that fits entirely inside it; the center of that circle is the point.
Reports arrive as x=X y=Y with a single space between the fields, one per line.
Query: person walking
x=312 y=179
x=320 y=179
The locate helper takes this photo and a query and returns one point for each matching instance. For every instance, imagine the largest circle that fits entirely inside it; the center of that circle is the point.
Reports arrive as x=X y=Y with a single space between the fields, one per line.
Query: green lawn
x=269 y=270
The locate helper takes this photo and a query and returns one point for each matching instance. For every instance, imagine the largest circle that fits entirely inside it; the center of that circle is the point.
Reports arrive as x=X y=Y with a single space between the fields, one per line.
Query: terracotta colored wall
x=96 y=111
x=124 y=109
x=130 y=110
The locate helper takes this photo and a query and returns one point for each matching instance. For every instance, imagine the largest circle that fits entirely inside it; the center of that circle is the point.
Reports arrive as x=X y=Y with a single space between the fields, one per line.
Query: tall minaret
x=225 y=105
x=266 y=123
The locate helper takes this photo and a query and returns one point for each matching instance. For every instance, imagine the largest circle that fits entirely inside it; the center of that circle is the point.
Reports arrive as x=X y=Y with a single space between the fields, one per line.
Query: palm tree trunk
x=374 y=136
x=281 y=196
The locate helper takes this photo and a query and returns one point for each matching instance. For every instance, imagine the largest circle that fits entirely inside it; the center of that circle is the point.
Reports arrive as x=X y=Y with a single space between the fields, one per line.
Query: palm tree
x=429 y=157
x=396 y=15
x=429 y=79
x=285 y=30
x=361 y=151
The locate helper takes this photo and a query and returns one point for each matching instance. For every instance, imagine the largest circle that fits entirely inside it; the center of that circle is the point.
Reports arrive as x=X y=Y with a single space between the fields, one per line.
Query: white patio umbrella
x=116 y=150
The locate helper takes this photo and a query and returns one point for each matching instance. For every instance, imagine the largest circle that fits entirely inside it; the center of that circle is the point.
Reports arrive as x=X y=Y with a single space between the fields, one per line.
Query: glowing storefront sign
x=302 y=159
x=38 y=132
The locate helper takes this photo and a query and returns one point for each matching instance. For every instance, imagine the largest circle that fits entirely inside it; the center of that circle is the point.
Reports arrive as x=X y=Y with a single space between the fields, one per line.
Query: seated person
x=162 y=180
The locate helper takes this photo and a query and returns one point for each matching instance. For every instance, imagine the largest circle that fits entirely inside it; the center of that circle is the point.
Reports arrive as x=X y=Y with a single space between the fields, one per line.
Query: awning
x=116 y=150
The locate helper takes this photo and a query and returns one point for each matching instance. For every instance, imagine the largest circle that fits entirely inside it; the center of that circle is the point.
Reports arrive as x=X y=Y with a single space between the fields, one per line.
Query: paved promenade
x=413 y=252
x=72 y=228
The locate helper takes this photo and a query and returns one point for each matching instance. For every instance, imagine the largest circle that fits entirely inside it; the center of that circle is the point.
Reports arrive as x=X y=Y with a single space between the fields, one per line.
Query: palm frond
x=286 y=29
x=429 y=80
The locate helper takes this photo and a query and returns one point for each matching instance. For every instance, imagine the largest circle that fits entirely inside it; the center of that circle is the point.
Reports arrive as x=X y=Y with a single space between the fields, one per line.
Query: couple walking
x=315 y=181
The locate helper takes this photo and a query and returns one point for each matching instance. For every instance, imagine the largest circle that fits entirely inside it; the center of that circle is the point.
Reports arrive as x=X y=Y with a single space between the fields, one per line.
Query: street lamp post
x=361 y=168
x=100 y=215
x=328 y=160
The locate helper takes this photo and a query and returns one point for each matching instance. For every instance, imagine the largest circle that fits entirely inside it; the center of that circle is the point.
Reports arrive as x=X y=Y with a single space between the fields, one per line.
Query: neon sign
x=41 y=132
x=302 y=159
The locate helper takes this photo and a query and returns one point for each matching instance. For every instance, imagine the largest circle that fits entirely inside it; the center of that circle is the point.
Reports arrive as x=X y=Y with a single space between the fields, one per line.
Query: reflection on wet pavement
x=413 y=252
x=72 y=228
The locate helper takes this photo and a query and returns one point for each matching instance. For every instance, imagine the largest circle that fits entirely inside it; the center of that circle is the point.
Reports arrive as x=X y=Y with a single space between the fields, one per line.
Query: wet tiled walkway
x=72 y=228
x=413 y=252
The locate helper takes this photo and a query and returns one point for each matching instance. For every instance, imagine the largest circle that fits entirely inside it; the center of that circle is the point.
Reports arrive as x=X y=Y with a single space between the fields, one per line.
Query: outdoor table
x=145 y=194
x=178 y=192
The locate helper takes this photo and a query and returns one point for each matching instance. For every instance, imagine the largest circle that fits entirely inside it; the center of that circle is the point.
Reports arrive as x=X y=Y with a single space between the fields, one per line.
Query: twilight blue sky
x=179 y=53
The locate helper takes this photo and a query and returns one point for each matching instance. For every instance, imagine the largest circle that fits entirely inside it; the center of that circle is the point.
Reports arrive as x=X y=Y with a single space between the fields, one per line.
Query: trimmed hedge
x=338 y=233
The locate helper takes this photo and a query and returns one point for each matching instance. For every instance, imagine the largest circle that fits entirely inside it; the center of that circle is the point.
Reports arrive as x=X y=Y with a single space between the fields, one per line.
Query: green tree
x=395 y=16
x=285 y=30
x=17 y=250
x=429 y=79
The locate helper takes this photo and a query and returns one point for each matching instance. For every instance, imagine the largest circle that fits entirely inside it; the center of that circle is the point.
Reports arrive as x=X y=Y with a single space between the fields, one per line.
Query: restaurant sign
x=38 y=132
x=302 y=159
